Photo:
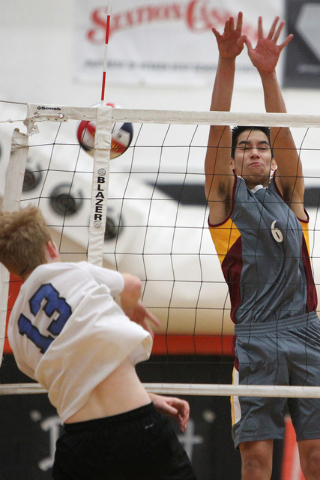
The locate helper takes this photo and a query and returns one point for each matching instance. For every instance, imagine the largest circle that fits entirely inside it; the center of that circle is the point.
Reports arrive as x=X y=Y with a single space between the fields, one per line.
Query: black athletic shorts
x=137 y=445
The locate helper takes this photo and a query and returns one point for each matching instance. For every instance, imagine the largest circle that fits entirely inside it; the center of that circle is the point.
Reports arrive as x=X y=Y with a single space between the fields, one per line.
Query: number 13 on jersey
x=53 y=303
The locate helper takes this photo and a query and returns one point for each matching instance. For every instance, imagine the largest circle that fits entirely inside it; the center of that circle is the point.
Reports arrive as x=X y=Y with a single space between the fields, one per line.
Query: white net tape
x=192 y=389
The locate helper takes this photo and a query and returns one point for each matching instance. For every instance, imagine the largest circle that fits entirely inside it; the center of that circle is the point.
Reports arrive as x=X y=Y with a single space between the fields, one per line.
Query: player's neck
x=254 y=182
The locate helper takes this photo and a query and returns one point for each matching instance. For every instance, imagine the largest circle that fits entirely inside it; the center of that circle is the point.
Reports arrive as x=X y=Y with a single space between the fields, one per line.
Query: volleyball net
x=142 y=212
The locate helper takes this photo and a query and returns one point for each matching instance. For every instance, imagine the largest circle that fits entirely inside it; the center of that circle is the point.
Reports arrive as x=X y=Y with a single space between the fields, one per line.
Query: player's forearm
x=131 y=294
x=273 y=98
x=284 y=149
x=223 y=85
x=274 y=103
x=219 y=135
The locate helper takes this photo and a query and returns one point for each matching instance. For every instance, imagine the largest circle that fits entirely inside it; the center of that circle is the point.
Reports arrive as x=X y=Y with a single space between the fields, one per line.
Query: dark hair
x=236 y=131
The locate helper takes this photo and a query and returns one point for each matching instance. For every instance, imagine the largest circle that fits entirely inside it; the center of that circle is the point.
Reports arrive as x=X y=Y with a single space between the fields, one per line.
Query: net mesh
x=155 y=225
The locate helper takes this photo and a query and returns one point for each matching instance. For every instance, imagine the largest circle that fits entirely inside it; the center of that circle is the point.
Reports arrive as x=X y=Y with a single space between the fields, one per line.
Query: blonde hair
x=23 y=237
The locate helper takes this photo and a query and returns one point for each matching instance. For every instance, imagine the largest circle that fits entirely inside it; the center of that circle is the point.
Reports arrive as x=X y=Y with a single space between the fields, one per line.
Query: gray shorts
x=277 y=353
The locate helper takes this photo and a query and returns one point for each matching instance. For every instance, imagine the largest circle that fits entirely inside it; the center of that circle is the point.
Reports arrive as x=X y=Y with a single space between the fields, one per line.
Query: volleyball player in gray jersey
x=259 y=228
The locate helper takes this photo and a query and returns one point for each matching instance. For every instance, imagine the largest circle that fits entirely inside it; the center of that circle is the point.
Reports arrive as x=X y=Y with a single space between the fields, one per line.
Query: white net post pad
x=11 y=202
x=100 y=184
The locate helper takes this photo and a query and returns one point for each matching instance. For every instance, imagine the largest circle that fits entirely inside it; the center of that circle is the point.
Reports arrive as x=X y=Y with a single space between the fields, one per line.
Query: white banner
x=163 y=42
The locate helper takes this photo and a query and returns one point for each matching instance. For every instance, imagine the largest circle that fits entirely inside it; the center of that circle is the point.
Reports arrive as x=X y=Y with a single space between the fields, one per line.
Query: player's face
x=253 y=159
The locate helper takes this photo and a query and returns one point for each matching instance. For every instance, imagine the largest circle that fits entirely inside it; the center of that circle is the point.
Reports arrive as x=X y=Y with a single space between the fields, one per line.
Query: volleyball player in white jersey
x=67 y=332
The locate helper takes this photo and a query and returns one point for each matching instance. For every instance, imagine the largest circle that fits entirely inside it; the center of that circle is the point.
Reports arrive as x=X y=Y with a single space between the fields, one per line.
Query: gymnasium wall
x=37 y=54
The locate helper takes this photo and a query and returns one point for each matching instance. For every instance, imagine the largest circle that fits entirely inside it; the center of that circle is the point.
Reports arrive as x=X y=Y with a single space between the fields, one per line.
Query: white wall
x=37 y=58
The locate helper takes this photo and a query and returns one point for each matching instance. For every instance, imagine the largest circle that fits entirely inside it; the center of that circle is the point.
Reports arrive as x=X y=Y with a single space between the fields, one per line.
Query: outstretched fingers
x=275 y=32
x=248 y=44
x=260 y=29
x=279 y=30
x=239 y=23
x=216 y=33
x=229 y=26
x=287 y=40
x=241 y=41
x=230 y=42
x=152 y=318
x=273 y=29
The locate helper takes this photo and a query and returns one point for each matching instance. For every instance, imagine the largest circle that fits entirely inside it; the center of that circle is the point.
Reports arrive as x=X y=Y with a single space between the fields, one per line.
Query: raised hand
x=266 y=54
x=231 y=42
x=141 y=315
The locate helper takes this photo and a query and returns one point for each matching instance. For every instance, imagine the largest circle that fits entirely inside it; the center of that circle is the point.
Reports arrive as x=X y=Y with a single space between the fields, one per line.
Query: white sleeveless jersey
x=67 y=332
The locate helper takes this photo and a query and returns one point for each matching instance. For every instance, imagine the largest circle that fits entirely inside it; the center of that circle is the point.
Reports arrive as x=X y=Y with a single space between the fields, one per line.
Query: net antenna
x=104 y=118
x=104 y=73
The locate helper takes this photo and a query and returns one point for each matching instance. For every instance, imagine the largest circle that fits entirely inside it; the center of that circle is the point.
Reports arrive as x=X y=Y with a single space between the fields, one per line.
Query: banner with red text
x=163 y=42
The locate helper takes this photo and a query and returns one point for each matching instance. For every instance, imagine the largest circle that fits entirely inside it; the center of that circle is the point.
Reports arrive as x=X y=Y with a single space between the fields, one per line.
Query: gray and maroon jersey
x=263 y=250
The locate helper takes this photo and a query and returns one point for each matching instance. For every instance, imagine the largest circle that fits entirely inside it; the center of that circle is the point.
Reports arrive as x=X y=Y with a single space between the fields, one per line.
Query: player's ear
x=52 y=249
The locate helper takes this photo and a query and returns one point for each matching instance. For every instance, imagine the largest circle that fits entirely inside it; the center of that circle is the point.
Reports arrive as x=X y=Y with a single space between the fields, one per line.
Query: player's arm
x=173 y=407
x=219 y=178
x=130 y=299
x=265 y=56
